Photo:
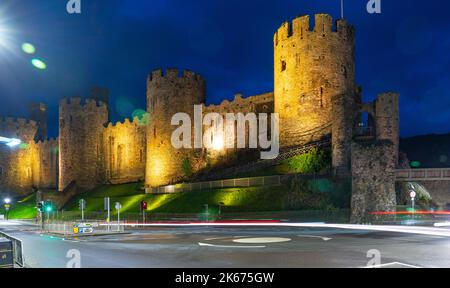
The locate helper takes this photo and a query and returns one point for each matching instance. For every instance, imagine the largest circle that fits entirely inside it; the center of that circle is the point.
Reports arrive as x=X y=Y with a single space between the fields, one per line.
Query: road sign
x=82 y=204
x=7 y=206
x=83 y=228
x=412 y=194
x=107 y=203
x=118 y=206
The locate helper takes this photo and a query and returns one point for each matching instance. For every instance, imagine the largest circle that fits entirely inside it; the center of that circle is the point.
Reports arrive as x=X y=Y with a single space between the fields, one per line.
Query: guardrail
x=17 y=249
x=227 y=183
x=431 y=174
x=72 y=228
x=265 y=163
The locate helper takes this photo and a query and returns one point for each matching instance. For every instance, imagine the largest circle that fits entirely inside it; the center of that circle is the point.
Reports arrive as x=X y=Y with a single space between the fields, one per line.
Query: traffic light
x=143 y=205
x=48 y=206
x=41 y=206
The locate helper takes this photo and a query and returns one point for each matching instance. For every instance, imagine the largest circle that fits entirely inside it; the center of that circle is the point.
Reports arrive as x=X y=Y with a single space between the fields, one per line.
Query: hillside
x=314 y=194
x=430 y=151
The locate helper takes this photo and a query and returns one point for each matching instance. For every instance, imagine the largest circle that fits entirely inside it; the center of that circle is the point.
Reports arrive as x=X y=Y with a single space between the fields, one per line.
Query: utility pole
x=118 y=207
x=108 y=208
x=342 y=9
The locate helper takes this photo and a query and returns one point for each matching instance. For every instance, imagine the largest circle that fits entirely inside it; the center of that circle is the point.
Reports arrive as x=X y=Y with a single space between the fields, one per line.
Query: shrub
x=311 y=162
x=187 y=167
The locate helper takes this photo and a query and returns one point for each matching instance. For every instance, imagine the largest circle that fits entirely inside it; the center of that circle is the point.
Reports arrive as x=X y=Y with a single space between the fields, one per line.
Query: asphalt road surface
x=235 y=247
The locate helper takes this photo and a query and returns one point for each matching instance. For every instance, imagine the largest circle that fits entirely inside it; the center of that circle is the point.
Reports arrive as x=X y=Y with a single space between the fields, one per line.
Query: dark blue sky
x=116 y=43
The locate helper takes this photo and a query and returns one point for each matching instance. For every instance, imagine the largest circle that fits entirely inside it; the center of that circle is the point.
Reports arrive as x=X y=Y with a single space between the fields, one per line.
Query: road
x=235 y=247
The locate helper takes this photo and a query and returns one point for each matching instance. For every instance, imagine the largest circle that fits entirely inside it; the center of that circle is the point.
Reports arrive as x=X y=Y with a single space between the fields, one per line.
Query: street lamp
x=11 y=142
x=7 y=202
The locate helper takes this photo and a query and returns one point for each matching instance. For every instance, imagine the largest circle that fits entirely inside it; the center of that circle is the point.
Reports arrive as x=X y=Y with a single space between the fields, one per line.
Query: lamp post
x=221 y=204
x=7 y=206
x=207 y=212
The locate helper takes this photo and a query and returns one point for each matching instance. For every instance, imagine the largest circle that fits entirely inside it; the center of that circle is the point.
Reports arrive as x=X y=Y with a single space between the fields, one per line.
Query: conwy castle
x=315 y=96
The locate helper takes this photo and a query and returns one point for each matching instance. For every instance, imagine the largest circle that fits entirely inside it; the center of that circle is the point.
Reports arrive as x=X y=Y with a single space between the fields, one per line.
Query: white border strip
x=429 y=231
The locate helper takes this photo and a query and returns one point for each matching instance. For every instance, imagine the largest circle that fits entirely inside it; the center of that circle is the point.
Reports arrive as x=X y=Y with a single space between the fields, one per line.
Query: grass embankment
x=312 y=162
x=250 y=199
x=23 y=208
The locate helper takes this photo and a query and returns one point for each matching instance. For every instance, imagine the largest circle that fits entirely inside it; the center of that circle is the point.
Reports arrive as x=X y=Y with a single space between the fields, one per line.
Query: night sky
x=116 y=43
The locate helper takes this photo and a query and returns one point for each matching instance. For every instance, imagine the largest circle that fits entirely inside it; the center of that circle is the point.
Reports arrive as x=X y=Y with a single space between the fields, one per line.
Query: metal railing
x=17 y=249
x=432 y=174
x=261 y=164
x=226 y=183
x=66 y=228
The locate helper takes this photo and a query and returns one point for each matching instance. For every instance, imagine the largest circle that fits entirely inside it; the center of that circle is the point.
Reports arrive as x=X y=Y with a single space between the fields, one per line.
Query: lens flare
x=28 y=48
x=39 y=64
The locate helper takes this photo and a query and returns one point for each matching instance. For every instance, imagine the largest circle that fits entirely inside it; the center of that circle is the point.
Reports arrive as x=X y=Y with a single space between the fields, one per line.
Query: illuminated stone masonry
x=315 y=96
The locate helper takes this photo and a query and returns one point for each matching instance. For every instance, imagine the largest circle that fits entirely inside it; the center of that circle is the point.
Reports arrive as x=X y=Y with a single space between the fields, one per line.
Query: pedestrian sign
x=83 y=228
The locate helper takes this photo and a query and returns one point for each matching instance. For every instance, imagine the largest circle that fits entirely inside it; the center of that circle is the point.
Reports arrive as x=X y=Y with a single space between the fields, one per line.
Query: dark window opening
x=344 y=71
x=302 y=98
x=321 y=97
x=364 y=128
x=283 y=66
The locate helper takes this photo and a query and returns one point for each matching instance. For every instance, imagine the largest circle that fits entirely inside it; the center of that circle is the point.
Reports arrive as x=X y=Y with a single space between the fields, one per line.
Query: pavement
x=302 y=245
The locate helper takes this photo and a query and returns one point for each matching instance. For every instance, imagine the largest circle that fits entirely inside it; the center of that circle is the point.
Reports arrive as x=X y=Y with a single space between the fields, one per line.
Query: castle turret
x=18 y=128
x=311 y=67
x=38 y=112
x=168 y=94
x=388 y=119
x=81 y=158
x=15 y=162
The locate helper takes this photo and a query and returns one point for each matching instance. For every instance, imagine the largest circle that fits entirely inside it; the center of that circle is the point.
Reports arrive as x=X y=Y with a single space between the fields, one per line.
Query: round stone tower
x=168 y=94
x=311 y=67
x=81 y=154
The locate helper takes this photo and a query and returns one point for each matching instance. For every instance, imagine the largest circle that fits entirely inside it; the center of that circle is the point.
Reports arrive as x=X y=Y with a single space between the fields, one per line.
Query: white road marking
x=229 y=246
x=429 y=231
x=261 y=240
x=217 y=238
x=319 y=237
x=392 y=264
x=445 y=224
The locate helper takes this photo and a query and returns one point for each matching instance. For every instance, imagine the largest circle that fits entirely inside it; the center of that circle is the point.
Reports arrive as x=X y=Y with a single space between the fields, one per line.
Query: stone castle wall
x=263 y=103
x=373 y=179
x=15 y=162
x=167 y=94
x=125 y=151
x=314 y=94
x=28 y=165
x=388 y=119
x=44 y=163
x=81 y=149
x=375 y=158
x=18 y=128
x=310 y=68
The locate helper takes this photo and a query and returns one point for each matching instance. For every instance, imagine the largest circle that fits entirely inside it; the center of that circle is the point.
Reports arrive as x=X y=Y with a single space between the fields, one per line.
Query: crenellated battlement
x=126 y=123
x=174 y=74
x=20 y=122
x=301 y=28
x=52 y=142
x=240 y=103
x=85 y=104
